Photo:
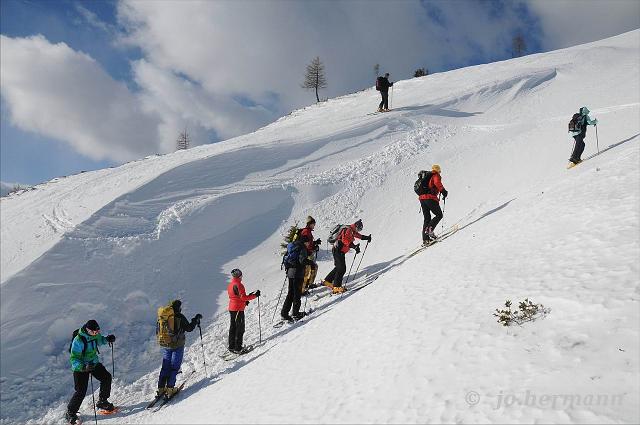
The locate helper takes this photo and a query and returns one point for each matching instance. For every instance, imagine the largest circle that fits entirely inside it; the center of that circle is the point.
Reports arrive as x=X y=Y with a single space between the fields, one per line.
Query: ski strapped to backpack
x=166 y=332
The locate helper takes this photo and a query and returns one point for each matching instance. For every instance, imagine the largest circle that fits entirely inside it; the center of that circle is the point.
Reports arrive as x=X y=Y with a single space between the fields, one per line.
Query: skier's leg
x=296 y=291
x=103 y=375
x=232 y=329
x=341 y=268
x=578 y=148
x=240 y=330
x=385 y=98
x=176 y=362
x=426 y=218
x=165 y=371
x=80 y=383
x=382 y=101
x=289 y=299
x=434 y=206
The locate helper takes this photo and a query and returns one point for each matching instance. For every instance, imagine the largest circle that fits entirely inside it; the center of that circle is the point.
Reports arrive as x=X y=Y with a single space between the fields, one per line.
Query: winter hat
x=436 y=168
x=386 y=74
x=236 y=273
x=176 y=305
x=584 y=110
x=92 y=325
x=310 y=220
x=358 y=224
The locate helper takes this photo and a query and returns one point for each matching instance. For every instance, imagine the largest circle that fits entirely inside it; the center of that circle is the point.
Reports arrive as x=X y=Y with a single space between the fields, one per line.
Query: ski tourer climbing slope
x=428 y=187
x=84 y=362
x=238 y=300
x=295 y=261
x=578 y=129
x=342 y=245
x=382 y=85
x=170 y=333
x=312 y=246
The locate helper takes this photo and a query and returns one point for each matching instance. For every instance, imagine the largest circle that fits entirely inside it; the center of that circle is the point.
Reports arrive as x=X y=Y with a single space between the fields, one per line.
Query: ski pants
x=310 y=272
x=577 y=149
x=336 y=275
x=430 y=206
x=236 y=330
x=385 y=100
x=81 y=381
x=294 y=292
x=171 y=362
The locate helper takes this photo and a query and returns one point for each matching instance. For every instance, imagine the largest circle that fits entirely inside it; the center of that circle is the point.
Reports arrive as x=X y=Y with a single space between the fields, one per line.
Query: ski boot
x=327 y=284
x=160 y=392
x=286 y=318
x=338 y=289
x=299 y=316
x=380 y=110
x=170 y=392
x=105 y=405
x=430 y=235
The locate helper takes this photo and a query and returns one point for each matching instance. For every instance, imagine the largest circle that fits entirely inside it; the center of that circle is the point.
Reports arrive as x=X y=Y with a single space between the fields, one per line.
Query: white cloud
x=60 y=93
x=569 y=22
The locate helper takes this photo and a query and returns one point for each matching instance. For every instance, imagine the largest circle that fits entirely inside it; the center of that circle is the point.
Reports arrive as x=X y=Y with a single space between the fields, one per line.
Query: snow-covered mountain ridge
x=114 y=244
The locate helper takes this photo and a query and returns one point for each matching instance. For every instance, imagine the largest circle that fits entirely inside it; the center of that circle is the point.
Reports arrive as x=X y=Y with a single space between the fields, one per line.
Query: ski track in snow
x=419 y=340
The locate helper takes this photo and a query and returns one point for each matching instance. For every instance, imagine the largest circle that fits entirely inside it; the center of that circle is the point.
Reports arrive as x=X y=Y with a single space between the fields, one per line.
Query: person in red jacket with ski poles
x=342 y=245
x=238 y=300
x=430 y=203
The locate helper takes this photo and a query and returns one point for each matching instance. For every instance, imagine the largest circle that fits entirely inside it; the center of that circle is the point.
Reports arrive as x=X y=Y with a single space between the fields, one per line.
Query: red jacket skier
x=430 y=202
x=238 y=299
x=342 y=245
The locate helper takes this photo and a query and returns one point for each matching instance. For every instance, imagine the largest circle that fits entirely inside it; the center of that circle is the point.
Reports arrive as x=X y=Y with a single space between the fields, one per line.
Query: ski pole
x=391 y=100
x=204 y=361
x=279 y=296
x=443 y=208
x=95 y=415
x=113 y=367
x=360 y=262
x=259 y=323
x=597 y=142
x=349 y=274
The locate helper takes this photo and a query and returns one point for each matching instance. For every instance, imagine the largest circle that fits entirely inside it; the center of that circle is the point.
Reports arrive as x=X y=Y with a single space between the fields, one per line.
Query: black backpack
x=82 y=338
x=575 y=125
x=421 y=186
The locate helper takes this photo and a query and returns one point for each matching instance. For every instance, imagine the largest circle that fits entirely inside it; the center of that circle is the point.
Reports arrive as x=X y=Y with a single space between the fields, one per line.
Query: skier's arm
x=437 y=181
x=186 y=325
x=243 y=294
x=591 y=121
x=102 y=340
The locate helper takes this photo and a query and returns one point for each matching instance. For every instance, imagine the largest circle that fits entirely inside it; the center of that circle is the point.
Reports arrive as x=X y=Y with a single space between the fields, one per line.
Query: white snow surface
x=419 y=343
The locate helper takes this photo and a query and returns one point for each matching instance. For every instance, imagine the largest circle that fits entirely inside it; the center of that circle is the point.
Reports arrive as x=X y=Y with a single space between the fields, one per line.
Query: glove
x=198 y=317
x=89 y=367
x=367 y=238
x=357 y=248
x=444 y=193
x=257 y=293
x=246 y=303
x=595 y=121
x=111 y=338
x=318 y=242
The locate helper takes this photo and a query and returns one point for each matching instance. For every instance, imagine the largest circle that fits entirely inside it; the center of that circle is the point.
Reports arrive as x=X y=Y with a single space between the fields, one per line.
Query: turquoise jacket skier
x=83 y=354
x=586 y=120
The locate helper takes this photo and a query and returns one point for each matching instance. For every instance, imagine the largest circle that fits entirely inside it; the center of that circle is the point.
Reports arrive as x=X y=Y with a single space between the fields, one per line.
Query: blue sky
x=171 y=64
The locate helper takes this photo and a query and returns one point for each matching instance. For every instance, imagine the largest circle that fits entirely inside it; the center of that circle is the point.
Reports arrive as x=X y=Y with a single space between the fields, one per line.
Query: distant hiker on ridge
x=238 y=300
x=84 y=361
x=428 y=187
x=170 y=333
x=343 y=244
x=382 y=85
x=578 y=129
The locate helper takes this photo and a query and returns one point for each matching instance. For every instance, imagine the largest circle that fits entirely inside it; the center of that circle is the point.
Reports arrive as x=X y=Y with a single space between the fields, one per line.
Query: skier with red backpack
x=342 y=245
x=578 y=129
x=382 y=85
x=428 y=187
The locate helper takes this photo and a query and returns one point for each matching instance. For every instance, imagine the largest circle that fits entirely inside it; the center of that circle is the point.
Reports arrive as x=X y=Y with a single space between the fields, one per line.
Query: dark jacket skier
x=382 y=85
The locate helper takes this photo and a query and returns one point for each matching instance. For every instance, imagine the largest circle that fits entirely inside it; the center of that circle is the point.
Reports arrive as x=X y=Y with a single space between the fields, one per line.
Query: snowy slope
x=114 y=244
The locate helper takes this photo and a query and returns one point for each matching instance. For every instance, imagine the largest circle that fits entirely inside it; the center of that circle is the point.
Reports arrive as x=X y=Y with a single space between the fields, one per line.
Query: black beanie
x=92 y=325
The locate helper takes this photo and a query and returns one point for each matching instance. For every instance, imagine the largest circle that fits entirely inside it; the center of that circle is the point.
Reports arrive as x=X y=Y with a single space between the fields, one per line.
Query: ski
x=228 y=356
x=166 y=400
x=102 y=412
x=440 y=238
x=281 y=323
x=153 y=402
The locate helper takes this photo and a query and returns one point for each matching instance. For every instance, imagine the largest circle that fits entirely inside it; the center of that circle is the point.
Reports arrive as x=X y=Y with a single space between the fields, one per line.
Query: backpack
x=335 y=233
x=294 y=251
x=379 y=83
x=575 y=125
x=83 y=339
x=421 y=186
x=166 y=332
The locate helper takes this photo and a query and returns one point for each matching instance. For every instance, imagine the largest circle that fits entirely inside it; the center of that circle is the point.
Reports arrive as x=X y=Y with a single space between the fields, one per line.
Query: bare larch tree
x=315 y=78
